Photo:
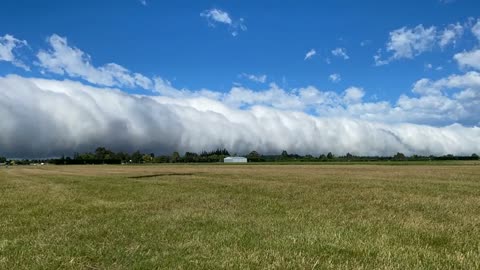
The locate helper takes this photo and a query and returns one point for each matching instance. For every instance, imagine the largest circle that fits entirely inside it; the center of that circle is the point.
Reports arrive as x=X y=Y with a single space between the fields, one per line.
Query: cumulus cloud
x=8 y=44
x=450 y=34
x=476 y=29
x=49 y=118
x=335 y=77
x=340 y=52
x=215 y=16
x=469 y=80
x=456 y=98
x=409 y=42
x=353 y=95
x=255 y=78
x=310 y=54
x=469 y=59
x=63 y=59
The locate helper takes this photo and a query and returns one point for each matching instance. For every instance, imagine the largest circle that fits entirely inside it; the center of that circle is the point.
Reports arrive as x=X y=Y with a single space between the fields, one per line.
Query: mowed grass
x=240 y=217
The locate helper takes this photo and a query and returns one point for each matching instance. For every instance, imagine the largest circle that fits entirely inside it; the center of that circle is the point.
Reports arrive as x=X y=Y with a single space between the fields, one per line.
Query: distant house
x=235 y=160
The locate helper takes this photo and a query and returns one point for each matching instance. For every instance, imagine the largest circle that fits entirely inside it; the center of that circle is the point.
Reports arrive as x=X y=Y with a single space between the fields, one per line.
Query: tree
x=191 y=157
x=253 y=156
x=124 y=157
x=162 y=159
x=137 y=157
x=147 y=158
x=175 y=157
x=330 y=155
x=284 y=154
x=474 y=156
x=399 y=156
x=102 y=153
x=307 y=157
x=3 y=159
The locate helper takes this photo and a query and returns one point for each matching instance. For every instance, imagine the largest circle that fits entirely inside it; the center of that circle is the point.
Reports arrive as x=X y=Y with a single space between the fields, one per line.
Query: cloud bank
x=44 y=118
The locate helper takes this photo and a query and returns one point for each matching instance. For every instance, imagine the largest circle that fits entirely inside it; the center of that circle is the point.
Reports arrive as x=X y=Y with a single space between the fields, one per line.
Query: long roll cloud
x=47 y=118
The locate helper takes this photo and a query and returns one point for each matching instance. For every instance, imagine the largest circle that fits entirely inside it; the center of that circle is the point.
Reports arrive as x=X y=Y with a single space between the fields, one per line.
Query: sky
x=365 y=77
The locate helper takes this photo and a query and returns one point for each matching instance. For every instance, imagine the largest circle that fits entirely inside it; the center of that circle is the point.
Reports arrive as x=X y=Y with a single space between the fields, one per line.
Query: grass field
x=240 y=217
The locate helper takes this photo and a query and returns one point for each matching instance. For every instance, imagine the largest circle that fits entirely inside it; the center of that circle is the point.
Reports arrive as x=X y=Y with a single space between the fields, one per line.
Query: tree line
x=102 y=155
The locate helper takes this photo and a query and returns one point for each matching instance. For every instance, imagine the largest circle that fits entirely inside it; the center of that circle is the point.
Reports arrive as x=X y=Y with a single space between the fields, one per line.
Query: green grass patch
x=261 y=216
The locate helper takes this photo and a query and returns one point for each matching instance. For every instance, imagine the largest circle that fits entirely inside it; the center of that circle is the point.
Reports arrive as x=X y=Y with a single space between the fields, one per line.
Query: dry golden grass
x=240 y=216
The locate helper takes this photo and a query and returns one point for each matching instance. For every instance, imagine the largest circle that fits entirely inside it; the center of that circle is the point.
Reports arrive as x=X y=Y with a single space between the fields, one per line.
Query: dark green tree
x=253 y=156
x=137 y=157
x=175 y=157
x=399 y=156
x=191 y=157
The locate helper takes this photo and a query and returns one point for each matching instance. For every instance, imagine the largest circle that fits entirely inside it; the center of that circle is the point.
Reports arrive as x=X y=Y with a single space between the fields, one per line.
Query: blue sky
x=383 y=62
x=171 y=39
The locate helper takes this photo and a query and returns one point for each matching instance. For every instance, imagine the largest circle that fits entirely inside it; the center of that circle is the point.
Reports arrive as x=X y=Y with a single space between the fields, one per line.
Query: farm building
x=235 y=160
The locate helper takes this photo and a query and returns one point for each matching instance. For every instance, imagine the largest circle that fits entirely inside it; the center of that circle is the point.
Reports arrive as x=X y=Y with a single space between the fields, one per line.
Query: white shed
x=235 y=160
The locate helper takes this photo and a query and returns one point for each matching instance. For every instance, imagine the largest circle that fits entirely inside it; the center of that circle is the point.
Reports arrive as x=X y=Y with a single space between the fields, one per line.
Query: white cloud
x=468 y=59
x=456 y=98
x=82 y=117
x=450 y=34
x=410 y=42
x=407 y=43
x=8 y=44
x=65 y=60
x=310 y=54
x=437 y=103
x=378 y=59
x=51 y=118
x=335 y=77
x=353 y=95
x=255 y=78
x=143 y=2
x=469 y=80
x=340 y=52
x=476 y=29
x=215 y=16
